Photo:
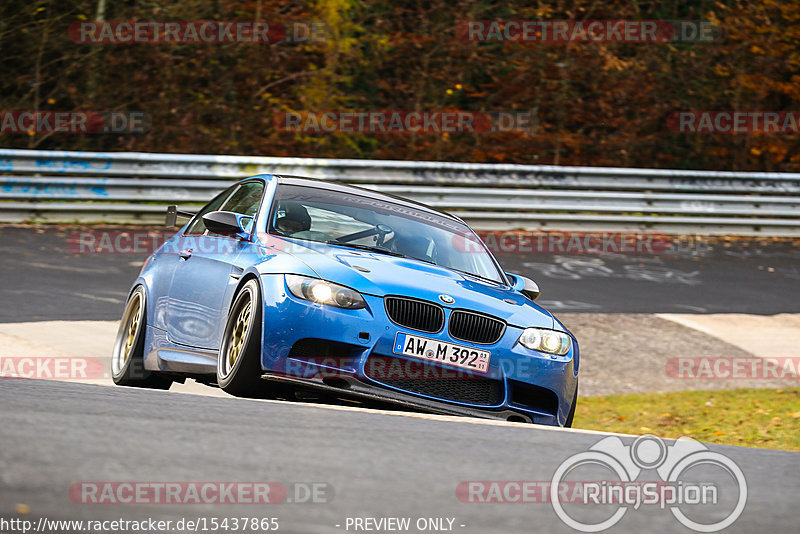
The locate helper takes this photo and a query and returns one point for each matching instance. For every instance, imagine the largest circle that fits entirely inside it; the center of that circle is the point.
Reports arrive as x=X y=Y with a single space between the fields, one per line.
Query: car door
x=205 y=271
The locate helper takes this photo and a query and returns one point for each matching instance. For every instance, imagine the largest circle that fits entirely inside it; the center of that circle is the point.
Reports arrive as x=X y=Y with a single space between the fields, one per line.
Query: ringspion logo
x=687 y=478
x=593 y=490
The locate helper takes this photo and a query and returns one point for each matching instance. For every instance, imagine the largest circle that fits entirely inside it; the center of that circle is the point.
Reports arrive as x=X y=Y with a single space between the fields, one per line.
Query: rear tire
x=239 y=360
x=127 y=360
x=571 y=416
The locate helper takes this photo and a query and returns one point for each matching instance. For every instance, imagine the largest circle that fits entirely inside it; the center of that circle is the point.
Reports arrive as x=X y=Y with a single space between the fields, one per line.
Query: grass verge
x=768 y=418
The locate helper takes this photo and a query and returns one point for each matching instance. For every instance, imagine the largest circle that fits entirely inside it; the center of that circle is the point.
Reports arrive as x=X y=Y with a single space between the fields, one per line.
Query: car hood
x=379 y=274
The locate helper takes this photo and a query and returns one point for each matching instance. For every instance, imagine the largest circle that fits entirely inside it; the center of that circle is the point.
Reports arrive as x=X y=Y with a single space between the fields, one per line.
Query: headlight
x=323 y=292
x=550 y=341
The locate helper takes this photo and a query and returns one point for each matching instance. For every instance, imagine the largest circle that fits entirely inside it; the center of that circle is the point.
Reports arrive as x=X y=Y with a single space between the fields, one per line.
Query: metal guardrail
x=135 y=187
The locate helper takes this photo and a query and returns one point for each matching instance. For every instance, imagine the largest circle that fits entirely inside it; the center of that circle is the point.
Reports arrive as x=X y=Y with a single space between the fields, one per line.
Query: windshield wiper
x=370 y=248
x=475 y=275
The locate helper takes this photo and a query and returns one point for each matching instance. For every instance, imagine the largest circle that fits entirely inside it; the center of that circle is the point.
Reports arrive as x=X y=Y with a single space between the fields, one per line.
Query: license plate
x=442 y=352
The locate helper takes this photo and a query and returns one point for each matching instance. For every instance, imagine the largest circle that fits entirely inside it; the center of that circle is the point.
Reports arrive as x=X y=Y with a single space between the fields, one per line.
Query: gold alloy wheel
x=238 y=335
x=238 y=362
x=133 y=329
x=128 y=332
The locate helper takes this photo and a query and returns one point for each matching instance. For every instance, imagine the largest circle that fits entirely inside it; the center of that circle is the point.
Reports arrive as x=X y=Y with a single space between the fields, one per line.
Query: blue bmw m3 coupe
x=284 y=285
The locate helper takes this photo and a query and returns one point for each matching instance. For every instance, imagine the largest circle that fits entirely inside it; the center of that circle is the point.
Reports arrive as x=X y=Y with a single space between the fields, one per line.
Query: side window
x=198 y=227
x=246 y=199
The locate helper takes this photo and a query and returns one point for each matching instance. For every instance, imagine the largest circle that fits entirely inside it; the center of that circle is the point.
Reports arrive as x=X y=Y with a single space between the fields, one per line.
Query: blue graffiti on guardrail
x=68 y=165
x=56 y=164
x=51 y=191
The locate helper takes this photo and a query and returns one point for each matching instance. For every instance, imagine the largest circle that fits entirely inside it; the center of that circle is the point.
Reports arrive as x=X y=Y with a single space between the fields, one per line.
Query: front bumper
x=335 y=350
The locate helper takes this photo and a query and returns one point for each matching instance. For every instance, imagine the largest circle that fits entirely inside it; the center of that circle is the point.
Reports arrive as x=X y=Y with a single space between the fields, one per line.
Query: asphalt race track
x=43 y=279
x=56 y=434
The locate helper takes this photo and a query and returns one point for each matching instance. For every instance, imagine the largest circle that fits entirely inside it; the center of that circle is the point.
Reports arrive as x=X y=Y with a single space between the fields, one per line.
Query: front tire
x=127 y=360
x=239 y=361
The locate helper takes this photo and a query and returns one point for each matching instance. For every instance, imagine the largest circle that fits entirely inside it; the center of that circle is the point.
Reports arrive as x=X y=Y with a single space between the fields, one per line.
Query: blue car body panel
x=189 y=299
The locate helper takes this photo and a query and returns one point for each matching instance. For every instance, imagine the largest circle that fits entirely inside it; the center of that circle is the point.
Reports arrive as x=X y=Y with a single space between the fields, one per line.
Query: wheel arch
x=246 y=277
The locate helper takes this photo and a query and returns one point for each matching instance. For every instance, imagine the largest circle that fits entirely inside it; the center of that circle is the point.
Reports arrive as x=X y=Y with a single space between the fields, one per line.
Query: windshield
x=350 y=220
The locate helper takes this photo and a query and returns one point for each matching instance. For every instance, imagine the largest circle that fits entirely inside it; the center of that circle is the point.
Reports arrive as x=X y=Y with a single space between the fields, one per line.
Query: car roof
x=345 y=188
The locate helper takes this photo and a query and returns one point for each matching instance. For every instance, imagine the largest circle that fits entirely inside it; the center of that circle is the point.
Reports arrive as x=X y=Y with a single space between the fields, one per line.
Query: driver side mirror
x=227 y=223
x=525 y=285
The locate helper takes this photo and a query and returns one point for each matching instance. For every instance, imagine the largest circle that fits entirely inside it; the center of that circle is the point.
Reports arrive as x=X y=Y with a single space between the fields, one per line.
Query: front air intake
x=422 y=378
